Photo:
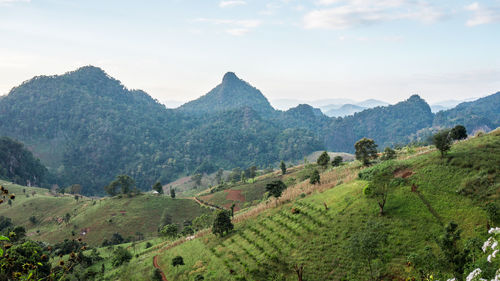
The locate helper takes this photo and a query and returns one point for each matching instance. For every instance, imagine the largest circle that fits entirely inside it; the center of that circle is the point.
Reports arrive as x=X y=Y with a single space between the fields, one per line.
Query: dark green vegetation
x=434 y=214
x=17 y=164
x=87 y=128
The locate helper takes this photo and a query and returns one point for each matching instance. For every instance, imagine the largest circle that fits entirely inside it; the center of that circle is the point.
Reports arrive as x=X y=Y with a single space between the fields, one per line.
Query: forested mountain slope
x=87 y=127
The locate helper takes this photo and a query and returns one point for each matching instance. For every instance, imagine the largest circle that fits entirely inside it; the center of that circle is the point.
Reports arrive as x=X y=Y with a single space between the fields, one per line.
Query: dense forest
x=86 y=127
x=17 y=164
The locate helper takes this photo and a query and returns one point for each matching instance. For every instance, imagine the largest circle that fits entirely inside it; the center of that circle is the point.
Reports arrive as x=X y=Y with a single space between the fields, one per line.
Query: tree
x=75 y=188
x=122 y=182
x=157 y=275
x=158 y=187
x=275 y=188
x=379 y=188
x=314 y=178
x=323 y=159
x=120 y=256
x=458 y=132
x=252 y=172
x=442 y=140
x=170 y=230
x=222 y=223
x=172 y=192
x=283 y=167
x=218 y=176
x=337 y=160
x=243 y=177
x=366 y=149
x=178 y=260
x=389 y=154
x=456 y=257
x=366 y=244
x=232 y=210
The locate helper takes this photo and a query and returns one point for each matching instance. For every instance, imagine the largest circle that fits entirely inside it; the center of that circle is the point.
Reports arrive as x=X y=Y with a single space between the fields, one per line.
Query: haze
x=306 y=50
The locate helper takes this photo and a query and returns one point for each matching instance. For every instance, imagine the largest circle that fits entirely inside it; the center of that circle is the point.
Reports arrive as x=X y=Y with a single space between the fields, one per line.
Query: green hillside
x=270 y=239
x=93 y=220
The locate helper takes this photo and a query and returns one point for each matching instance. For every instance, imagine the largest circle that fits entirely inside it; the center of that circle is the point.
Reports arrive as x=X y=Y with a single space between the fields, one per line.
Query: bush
x=156 y=275
x=120 y=256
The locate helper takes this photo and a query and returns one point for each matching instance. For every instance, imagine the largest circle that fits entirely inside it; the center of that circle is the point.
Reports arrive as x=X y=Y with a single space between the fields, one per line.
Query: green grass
x=269 y=245
x=100 y=218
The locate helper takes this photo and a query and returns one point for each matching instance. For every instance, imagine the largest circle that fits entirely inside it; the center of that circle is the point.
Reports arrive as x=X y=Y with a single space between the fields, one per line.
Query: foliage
x=323 y=159
x=170 y=230
x=128 y=132
x=172 y=193
x=275 y=188
x=442 y=140
x=458 y=132
x=120 y=256
x=158 y=187
x=178 y=260
x=202 y=222
x=366 y=245
x=483 y=113
x=389 y=154
x=379 y=188
x=18 y=164
x=454 y=255
x=156 y=275
x=366 y=149
x=222 y=223
x=283 y=167
x=315 y=177
x=337 y=160
x=122 y=184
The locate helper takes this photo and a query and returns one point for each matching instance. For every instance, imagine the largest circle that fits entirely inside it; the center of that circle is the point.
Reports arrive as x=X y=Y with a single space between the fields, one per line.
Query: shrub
x=120 y=256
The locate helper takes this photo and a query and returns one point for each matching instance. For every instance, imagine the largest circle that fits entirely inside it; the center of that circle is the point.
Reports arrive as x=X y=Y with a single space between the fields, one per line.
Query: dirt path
x=155 y=264
x=204 y=204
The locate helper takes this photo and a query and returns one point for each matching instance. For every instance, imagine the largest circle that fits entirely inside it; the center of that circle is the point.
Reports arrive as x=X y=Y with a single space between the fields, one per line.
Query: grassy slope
x=128 y=215
x=253 y=190
x=277 y=239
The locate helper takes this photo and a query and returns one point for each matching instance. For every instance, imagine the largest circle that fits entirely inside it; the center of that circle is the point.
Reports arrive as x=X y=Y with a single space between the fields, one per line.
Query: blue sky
x=318 y=49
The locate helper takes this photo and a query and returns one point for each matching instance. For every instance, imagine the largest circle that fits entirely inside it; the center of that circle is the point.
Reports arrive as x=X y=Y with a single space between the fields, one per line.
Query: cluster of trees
x=444 y=138
x=17 y=164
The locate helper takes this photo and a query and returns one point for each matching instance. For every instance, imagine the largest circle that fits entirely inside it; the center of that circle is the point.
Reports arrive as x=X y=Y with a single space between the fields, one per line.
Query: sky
x=289 y=49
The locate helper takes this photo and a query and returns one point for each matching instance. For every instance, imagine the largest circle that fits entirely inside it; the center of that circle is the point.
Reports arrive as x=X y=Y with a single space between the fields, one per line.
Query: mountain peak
x=230 y=76
x=232 y=93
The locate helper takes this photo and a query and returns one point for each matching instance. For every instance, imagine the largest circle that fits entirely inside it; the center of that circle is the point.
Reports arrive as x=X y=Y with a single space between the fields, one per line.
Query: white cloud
x=236 y=27
x=231 y=3
x=351 y=13
x=482 y=15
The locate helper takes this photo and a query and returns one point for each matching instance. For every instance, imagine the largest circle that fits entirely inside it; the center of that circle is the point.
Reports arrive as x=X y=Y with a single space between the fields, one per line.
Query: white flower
x=495 y=230
x=494 y=254
x=495 y=244
x=473 y=274
x=488 y=243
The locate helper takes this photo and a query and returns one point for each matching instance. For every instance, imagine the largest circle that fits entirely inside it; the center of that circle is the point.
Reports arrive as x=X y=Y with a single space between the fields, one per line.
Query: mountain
x=344 y=110
x=87 y=127
x=481 y=114
x=370 y=103
x=231 y=93
x=17 y=164
x=387 y=125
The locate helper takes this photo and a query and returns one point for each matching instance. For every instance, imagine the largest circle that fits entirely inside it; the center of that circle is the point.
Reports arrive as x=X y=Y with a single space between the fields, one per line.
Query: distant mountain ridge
x=87 y=127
